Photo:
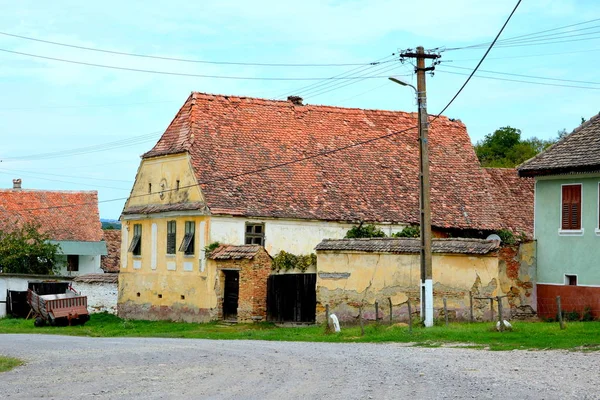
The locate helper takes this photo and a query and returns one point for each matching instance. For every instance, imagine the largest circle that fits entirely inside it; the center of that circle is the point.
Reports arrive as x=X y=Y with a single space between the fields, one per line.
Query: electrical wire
x=521 y=81
x=88 y=149
x=525 y=35
x=527 y=76
x=525 y=56
x=63 y=181
x=327 y=81
x=87 y=105
x=149 y=71
x=121 y=53
x=87 y=178
x=480 y=61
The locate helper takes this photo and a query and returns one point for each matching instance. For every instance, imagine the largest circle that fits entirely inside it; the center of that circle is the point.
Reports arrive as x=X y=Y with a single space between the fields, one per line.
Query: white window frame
x=570 y=232
x=567 y=279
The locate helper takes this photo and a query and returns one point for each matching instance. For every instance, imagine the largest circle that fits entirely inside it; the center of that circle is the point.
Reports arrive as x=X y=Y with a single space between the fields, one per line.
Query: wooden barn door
x=292 y=297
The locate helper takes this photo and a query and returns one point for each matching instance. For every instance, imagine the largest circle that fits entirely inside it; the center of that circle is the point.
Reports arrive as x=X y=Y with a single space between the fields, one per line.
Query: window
x=187 y=244
x=72 y=263
x=571 y=207
x=255 y=234
x=150 y=188
x=171 y=236
x=136 y=243
x=571 y=280
x=177 y=185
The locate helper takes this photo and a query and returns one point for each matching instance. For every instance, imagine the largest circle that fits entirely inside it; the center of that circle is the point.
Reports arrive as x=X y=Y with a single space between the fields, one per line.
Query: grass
x=525 y=335
x=8 y=363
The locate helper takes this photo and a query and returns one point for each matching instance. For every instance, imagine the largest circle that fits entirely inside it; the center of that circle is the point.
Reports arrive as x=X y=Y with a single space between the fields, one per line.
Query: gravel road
x=61 y=367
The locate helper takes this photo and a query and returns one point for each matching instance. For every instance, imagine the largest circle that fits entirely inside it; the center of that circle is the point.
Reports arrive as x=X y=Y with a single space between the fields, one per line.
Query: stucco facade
x=350 y=279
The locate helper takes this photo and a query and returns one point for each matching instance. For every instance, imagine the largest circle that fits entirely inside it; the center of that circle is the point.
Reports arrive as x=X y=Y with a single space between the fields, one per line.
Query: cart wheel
x=39 y=322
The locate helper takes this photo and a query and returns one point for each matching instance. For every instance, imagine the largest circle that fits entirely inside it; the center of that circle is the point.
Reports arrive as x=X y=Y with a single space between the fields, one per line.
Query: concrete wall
x=347 y=280
x=294 y=236
x=560 y=253
x=102 y=296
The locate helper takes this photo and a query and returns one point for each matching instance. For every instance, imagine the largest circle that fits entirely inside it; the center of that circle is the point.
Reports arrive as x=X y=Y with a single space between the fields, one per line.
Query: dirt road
x=61 y=367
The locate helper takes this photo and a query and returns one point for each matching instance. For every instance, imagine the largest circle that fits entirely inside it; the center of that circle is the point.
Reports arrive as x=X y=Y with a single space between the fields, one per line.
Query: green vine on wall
x=285 y=261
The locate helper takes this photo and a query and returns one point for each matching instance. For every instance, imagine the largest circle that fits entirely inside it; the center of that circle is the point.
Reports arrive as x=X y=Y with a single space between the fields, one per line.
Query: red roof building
x=244 y=138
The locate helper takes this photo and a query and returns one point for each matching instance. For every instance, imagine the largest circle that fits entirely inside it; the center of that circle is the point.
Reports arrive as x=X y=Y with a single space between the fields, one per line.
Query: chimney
x=17 y=184
x=296 y=100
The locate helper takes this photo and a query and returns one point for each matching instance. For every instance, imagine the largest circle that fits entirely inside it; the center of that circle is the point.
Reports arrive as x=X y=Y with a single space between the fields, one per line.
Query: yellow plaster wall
x=377 y=277
x=163 y=173
x=187 y=291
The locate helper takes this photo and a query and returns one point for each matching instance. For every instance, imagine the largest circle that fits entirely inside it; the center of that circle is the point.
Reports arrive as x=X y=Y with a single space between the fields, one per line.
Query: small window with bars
x=136 y=243
x=571 y=207
x=187 y=244
x=171 y=236
x=255 y=234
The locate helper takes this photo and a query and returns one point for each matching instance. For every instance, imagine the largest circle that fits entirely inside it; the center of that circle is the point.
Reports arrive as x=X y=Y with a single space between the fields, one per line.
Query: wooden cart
x=58 y=309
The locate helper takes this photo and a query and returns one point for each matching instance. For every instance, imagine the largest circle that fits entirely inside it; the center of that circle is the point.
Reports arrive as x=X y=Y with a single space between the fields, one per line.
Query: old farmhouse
x=284 y=176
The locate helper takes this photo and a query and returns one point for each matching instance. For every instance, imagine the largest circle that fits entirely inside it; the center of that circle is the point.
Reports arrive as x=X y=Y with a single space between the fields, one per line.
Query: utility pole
x=424 y=186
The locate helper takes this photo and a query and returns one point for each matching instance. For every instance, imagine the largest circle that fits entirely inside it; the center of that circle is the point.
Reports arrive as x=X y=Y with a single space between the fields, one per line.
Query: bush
x=364 y=231
x=285 y=261
x=409 y=232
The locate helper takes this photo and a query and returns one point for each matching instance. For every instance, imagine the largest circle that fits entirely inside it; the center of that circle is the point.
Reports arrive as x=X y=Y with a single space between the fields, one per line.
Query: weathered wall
x=294 y=236
x=102 y=296
x=347 y=280
x=517 y=277
x=254 y=273
x=573 y=298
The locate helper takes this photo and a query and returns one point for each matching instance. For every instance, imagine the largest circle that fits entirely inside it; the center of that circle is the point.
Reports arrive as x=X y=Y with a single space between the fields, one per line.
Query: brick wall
x=254 y=273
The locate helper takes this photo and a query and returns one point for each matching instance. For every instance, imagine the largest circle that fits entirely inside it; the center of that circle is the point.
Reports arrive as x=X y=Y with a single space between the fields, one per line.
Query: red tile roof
x=110 y=262
x=64 y=215
x=513 y=199
x=375 y=182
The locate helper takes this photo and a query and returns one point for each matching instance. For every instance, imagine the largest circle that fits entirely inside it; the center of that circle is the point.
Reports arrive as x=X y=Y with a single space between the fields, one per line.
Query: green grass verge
x=8 y=363
x=525 y=335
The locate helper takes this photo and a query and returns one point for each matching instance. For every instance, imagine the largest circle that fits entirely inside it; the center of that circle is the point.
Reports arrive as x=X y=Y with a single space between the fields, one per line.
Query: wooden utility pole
x=424 y=186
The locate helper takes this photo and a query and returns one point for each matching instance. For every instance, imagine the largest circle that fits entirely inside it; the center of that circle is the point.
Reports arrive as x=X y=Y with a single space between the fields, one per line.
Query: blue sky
x=54 y=108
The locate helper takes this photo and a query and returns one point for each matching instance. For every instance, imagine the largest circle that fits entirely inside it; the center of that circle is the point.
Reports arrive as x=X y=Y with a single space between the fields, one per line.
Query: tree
x=26 y=250
x=505 y=148
x=364 y=231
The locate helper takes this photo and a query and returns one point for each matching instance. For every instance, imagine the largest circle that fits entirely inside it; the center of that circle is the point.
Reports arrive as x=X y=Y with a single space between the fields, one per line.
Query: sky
x=69 y=126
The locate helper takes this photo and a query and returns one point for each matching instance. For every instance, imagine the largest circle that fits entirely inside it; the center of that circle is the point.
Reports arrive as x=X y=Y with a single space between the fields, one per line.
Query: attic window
x=255 y=234
x=149 y=187
x=187 y=244
x=177 y=185
x=136 y=243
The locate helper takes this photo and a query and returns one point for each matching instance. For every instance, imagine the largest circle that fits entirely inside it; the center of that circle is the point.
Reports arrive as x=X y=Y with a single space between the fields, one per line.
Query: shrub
x=285 y=261
x=364 y=231
x=409 y=232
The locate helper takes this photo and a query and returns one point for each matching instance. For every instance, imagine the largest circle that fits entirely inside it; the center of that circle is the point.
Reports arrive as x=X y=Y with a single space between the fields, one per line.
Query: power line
x=62 y=181
x=88 y=149
x=521 y=81
x=525 y=35
x=67 y=176
x=527 y=76
x=88 y=105
x=525 y=56
x=480 y=61
x=149 y=71
x=121 y=53
x=327 y=81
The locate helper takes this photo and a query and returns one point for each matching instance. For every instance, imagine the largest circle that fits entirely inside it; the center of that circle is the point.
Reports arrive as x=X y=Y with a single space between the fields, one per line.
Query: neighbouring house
x=70 y=218
x=110 y=261
x=567 y=221
x=247 y=171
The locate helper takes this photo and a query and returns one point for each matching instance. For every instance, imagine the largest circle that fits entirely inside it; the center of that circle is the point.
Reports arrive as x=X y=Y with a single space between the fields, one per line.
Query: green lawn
x=8 y=363
x=525 y=335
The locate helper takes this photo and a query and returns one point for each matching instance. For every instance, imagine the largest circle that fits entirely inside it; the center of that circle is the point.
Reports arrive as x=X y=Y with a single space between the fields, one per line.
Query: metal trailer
x=58 y=309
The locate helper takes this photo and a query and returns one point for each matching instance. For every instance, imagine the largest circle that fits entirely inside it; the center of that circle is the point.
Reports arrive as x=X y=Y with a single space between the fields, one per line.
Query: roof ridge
x=286 y=103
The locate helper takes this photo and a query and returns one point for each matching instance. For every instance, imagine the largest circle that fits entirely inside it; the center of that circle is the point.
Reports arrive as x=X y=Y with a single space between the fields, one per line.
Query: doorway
x=231 y=294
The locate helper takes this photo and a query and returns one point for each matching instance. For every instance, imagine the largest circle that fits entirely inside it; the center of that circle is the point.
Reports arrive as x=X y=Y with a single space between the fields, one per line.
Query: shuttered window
x=571 y=207
x=187 y=244
x=136 y=243
x=171 y=236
